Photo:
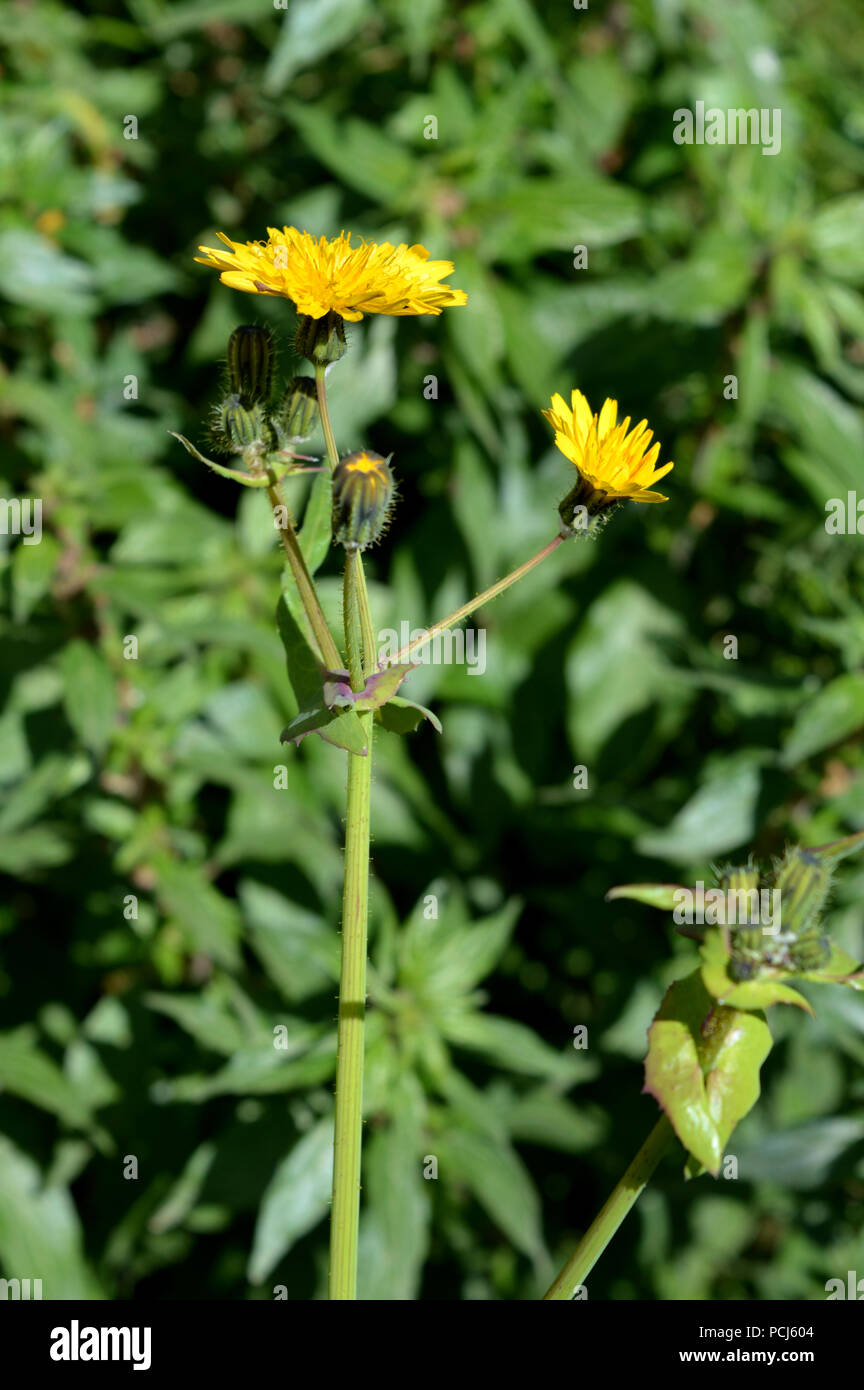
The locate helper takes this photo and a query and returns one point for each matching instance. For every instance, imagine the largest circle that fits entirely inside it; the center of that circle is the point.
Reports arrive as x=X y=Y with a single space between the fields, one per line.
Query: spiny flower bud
x=802 y=880
x=741 y=886
x=298 y=413
x=362 y=495
x=322 y=340
x=241 y=427
x=810 y=953
x=251 y=355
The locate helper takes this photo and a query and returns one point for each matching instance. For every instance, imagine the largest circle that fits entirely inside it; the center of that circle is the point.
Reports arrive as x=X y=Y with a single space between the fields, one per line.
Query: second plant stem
x=610 y=1216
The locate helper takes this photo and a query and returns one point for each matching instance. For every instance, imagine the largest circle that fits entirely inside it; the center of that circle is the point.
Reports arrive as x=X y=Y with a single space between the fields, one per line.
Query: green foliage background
x=152 y=1036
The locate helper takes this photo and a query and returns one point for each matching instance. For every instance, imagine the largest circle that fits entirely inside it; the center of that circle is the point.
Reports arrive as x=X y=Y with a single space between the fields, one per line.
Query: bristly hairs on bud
x=363 y=495
x=804 y=882
x=251 y=359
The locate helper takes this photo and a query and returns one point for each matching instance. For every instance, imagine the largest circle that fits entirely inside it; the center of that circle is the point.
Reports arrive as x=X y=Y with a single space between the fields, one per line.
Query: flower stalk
x=328 y=650
x=611 y=1215
x=473 y=604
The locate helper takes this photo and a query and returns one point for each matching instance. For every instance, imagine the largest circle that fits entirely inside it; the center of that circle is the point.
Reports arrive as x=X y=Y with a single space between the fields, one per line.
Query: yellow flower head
x=323 y=276
x=615 y=465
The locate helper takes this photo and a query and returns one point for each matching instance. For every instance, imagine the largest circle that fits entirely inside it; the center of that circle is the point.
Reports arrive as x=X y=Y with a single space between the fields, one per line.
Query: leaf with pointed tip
x=662 y=895
x=343 y=729
x=382 y=686
x=401 y=716
x=703 y=1066
x=838 y=849
x=233 y=473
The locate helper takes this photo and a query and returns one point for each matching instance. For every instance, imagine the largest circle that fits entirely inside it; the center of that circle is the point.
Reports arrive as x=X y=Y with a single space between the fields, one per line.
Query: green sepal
x=748 y=994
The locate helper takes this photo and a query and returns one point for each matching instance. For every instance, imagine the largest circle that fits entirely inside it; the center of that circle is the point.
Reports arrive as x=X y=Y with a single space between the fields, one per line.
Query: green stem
x=328 y=650
x=607 y=1221
x=473 y=604
x=352 y=609
x=348 y=1136
x=329 y=439
x=345 y=1209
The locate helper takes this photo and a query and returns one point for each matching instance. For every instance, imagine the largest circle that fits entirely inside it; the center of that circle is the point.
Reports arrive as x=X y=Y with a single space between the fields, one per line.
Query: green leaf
x=662 y=895
x=802 y=1157
x=836 y=234
x=510 y=1044
x=358 y=153
x=720 y=816
x=830 y=717
x=496 y=1176
x=40 y=1231
x=310 y=30
x=444 y=959
x=398 y=1199
x=401 y=716
x=209 y=921
x=90 y=694
x=28 y=1072
x=616 y=666
x=32 y=571
x=341 y=728
x=296 y=1199
x=298 y=949
x=315 y=534
x=703 y=1067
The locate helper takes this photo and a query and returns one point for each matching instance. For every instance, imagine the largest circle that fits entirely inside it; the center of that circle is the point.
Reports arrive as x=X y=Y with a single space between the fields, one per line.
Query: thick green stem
x=473 y=604
x=348 y=1138
x=345 y=1211
x=328 y=650
x=606 y=1223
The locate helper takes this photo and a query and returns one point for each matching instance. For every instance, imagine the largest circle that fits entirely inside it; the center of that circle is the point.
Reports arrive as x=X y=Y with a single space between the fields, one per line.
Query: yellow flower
x=614 y=466
x=323 y=276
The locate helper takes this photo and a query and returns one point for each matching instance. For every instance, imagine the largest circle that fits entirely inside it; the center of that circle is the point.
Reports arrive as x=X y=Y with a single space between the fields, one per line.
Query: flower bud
x=802 y=880
x=741 y=886
x=322 y=340
x=811 y=952
x=362 y=496
x=250 y=356
x=242 y=427
x=298 y=412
